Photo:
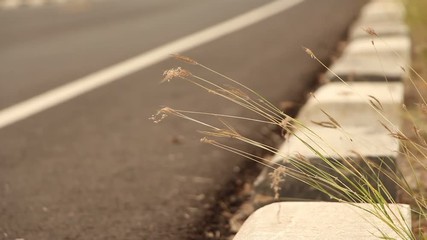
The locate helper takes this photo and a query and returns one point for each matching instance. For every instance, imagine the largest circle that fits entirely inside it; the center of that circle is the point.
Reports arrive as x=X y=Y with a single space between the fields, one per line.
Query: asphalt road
x=95 y=167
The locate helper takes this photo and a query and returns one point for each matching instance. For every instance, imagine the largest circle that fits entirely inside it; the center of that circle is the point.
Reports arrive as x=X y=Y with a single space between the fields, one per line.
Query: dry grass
x=343 y=179
x=415 y=117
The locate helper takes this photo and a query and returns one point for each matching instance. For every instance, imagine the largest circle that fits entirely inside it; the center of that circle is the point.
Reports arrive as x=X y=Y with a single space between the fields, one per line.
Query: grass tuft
x=348 y=177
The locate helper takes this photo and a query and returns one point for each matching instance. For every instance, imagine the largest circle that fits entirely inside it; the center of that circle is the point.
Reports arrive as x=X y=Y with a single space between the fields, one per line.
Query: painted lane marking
x=11 y=4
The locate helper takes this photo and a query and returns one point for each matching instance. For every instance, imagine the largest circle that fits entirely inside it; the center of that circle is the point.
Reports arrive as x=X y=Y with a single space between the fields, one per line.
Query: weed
x=347 y=177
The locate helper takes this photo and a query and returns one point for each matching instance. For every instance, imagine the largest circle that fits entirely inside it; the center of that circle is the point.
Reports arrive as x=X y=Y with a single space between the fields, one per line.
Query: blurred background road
x=95 y=167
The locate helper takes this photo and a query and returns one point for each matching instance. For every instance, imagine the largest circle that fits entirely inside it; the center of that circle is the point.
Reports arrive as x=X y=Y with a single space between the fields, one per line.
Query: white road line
x=95 y=80
x=10 y=4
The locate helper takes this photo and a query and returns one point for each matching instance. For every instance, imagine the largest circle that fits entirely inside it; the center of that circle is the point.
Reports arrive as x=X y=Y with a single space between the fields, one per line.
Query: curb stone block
x=319 y=220
x=361 y=61
x=361 y=133
x=399 y=44
x=383 y=29
x=350 y=106
x=382 y=11
x=291 y=188
x=367 y=68
x=336 y=143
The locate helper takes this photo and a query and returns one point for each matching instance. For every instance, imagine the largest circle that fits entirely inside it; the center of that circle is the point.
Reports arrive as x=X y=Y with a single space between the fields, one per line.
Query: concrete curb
x=371 y=97
x=295 y=220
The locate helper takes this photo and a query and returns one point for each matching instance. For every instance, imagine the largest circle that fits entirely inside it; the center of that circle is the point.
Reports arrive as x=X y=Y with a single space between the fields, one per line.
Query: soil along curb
x=365 y=108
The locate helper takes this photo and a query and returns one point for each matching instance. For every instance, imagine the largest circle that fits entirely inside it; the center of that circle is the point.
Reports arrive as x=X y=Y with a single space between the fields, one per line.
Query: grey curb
x=373 y=71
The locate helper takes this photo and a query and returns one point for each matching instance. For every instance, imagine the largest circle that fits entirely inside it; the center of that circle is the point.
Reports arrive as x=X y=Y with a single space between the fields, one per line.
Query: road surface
x=93 y=166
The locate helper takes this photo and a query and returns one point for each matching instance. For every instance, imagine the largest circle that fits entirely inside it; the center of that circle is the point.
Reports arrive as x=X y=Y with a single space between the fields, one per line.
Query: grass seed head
x=309 y=52
x=370 y=31
x=174 y=73
x=400 y=136
x=277 y=177
x=223 y=133
x=162 y=114
x=375 y=103
x=333 y=120
x=184 y=59
x=206 y=140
